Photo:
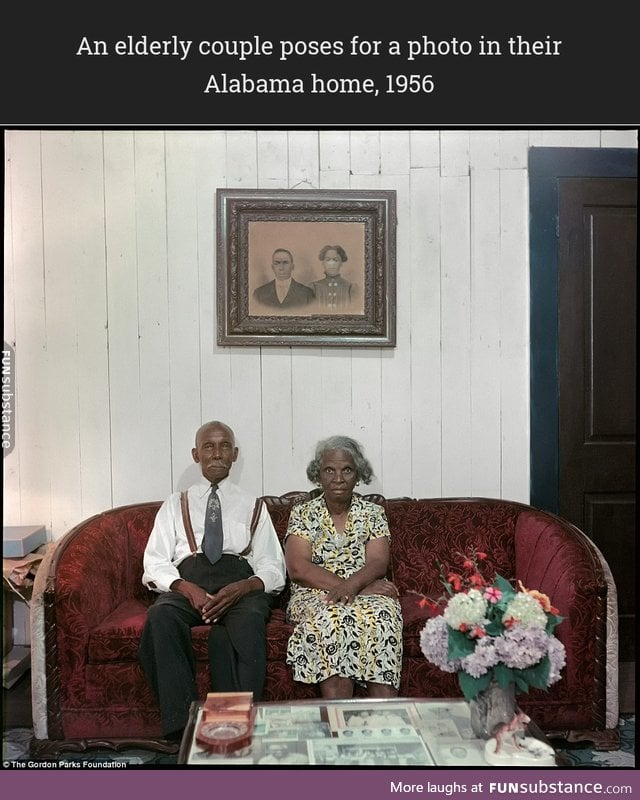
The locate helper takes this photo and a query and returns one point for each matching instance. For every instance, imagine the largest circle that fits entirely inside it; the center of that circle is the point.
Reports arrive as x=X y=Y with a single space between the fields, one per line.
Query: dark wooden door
x=597 y=264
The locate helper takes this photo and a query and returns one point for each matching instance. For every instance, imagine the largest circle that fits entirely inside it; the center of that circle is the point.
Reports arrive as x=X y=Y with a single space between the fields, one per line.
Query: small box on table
x=227 y=721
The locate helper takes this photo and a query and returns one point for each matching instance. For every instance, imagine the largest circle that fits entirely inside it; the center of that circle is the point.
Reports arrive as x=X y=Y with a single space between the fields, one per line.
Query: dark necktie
x=212 y=541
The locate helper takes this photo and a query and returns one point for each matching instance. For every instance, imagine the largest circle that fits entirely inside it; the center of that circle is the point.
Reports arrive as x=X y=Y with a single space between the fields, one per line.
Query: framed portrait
x=306 y=267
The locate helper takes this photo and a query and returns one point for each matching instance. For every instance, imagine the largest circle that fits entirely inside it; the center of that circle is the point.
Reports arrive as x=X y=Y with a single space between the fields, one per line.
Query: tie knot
x=214 y=487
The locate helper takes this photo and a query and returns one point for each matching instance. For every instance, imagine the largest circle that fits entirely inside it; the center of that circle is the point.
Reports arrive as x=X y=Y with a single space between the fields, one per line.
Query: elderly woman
x=347 y=618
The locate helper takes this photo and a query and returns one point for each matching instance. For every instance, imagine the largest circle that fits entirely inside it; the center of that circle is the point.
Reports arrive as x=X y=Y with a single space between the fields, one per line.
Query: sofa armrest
x=94 y=568
x=557 y=559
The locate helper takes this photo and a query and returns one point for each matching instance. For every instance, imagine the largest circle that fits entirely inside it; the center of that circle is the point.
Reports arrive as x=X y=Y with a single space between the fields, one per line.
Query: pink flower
x=492 y=594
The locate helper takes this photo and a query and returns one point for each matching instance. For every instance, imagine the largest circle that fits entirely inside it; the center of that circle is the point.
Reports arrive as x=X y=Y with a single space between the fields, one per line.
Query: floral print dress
x=361 y=640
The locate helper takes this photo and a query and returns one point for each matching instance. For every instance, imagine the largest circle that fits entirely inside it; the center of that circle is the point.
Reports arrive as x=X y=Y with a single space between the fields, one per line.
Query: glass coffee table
x=364 y=732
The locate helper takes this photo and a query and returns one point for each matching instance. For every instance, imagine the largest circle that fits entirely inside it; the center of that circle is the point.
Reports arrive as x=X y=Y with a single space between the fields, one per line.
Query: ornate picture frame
x=306 y=267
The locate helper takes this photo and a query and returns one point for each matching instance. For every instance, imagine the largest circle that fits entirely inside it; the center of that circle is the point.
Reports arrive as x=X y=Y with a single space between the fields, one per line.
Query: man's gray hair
x=364 y=471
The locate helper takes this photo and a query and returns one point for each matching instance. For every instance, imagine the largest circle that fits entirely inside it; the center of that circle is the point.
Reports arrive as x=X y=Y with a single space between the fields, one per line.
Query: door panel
x=597 y=263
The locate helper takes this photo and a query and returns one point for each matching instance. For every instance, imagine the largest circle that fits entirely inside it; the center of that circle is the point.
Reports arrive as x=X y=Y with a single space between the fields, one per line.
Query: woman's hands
x=382 y=586
x=345 y=593
x=342 y=594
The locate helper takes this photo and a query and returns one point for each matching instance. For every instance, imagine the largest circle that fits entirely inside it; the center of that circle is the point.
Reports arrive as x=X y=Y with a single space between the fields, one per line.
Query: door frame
x=547 y=165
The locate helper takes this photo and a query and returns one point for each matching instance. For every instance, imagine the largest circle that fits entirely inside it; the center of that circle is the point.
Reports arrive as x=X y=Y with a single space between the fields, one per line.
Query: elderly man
x=283 y=291
x=214 y=558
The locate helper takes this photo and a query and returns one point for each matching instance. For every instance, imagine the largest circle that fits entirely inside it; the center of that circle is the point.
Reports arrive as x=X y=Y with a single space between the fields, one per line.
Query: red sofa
x=89 y=606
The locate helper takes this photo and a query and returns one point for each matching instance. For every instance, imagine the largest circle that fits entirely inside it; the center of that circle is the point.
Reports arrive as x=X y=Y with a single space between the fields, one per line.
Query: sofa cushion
x=118 y=636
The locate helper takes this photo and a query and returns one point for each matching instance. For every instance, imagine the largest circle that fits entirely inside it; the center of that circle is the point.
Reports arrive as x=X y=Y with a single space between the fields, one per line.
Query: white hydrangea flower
x=526 y=610
x=468 y=609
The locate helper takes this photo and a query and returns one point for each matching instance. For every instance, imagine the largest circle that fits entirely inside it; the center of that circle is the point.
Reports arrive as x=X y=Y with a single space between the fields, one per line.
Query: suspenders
x=186 y=519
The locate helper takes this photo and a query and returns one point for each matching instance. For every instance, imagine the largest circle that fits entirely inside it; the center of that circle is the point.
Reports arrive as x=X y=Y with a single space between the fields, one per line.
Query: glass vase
x=491 y=707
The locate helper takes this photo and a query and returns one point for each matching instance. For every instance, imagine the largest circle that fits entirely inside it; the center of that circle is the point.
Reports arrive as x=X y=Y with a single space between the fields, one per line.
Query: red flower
x=425 y=602
x=455 y=580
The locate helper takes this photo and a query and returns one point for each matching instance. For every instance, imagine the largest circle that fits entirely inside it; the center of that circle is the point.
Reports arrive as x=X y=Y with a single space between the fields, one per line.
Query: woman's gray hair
x=364 y=470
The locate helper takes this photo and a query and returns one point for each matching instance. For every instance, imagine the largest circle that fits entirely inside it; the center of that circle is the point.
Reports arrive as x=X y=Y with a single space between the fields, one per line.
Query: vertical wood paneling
x=272 y=159
x=303 y=160
x=513 y=149
x=395 y=153
x=366 y=412
x=276 y=395
x=182 y=287
x=365 y=421
x=125 y=404
x=276 y=440
x=245 y=363
x=514 y=362
x=334 y=150
x=60 y=247
x=485 y=333
x=396 y=364
x=91 y=309
x=307 y=424
x=456 y=356
x=215 y=362
x=619 y=138
x=426 y=364
x=365 y=153
x=424 y=149
x=153 y=315
x=484 y=150
x=567 y=138
x=110 y=247
x=26 y=483
x=454 y=154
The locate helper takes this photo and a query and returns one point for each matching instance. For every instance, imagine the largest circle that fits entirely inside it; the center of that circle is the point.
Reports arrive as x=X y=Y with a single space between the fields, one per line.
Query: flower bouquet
x=490 y=632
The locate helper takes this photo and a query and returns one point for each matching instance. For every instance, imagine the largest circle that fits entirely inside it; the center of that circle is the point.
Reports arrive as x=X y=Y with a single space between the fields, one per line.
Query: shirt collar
x=203 y=486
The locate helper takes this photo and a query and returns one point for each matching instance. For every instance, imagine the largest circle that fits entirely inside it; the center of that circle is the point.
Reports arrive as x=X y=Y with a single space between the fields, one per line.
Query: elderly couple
x=346 y=616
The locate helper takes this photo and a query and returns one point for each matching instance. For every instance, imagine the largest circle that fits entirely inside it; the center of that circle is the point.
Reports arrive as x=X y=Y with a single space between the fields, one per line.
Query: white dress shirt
x=168 y=544
x=282 y=289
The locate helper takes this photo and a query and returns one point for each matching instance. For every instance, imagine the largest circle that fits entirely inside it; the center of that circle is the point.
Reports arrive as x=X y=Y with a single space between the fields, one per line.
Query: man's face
x=282 y=265
x=215 y=451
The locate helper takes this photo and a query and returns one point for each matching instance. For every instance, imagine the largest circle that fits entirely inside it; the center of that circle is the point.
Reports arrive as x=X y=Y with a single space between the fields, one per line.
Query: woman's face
x=338 y=475
x=332 y=263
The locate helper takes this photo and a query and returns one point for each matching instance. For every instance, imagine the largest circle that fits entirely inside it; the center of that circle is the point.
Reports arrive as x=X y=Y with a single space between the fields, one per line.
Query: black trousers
x=237 y=642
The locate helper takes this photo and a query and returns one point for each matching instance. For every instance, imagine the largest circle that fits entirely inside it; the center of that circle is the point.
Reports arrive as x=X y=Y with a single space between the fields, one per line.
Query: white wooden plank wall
x=110 y=246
